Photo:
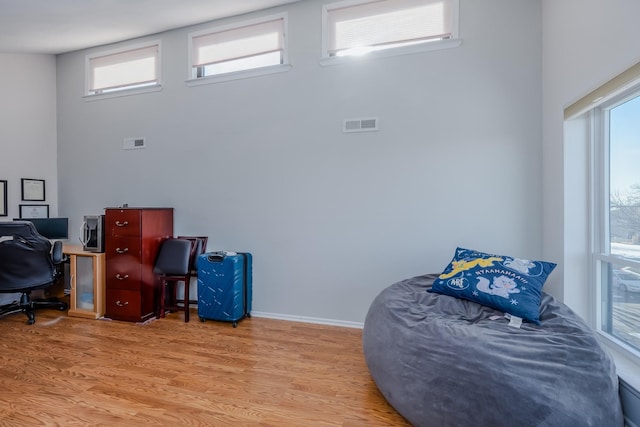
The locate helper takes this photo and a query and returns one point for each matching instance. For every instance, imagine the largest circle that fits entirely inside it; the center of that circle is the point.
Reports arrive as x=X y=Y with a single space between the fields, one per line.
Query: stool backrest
x=174 y=257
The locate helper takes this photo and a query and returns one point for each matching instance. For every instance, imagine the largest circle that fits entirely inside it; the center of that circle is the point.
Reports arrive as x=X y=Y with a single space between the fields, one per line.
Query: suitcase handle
x=219 y=256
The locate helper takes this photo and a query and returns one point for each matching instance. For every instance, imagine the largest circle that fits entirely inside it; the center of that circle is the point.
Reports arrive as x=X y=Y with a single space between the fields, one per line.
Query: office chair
x=173 y=265
x=27 y=262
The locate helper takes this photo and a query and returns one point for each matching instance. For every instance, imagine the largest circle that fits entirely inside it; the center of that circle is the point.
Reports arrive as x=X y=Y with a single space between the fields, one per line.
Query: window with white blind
x=258 y=45
x=617 y=183
x=357 y=27
x=606 y=122
x=128 y=68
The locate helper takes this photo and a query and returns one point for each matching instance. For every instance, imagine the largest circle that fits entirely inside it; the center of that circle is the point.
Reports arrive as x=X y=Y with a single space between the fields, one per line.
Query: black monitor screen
x=51 y=228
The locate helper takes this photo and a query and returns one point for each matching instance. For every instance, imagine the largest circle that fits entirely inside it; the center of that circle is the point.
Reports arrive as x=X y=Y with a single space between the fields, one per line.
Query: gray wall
x=28 y=126
x=261 y=164
x=27 y=130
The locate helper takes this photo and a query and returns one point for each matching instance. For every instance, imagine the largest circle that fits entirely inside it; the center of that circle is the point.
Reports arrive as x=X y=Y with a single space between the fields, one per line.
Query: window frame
x=602 y=259
x=581 y=186
x=132 y=89
x=240 y=74
x=327 y=59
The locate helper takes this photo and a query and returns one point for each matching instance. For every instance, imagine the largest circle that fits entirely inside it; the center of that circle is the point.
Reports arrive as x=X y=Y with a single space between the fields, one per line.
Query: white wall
x=28 y=126
x=261 y=164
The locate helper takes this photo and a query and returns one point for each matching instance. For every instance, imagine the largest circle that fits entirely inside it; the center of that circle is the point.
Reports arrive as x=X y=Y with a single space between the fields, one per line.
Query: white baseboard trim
x=305 y=319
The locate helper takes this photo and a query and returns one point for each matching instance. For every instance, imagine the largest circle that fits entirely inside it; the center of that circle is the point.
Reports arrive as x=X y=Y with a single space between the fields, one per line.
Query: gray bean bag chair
x=441 y=361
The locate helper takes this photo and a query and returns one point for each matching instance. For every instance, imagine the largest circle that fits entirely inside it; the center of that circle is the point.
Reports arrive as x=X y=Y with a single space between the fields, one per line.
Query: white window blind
x=387 y=23
x=265 y=39
x=122 y=70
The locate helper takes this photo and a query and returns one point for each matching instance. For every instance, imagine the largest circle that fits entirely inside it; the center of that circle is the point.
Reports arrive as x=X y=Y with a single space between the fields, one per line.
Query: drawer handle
x=122 y=304
x=119 y=277
x=122 y=224
x=122 y=251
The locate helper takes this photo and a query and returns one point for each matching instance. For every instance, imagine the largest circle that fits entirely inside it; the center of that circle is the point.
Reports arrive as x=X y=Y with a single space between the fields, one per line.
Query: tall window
x=122 y=69
x=354 y=28
x=617 y=217
x=247 y=46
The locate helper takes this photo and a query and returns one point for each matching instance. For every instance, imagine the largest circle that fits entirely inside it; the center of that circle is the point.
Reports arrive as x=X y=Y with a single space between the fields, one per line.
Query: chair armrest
x=56 y=252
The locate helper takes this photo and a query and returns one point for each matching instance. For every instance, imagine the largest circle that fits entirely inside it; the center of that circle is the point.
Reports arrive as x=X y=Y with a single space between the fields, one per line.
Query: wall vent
x=134 y=143
x=360 y=125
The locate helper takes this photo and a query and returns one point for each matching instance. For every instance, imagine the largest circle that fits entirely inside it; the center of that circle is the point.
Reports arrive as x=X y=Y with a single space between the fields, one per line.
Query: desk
x=86 y=278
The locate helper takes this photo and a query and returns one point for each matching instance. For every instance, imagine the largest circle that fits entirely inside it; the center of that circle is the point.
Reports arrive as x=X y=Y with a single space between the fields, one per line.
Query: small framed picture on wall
x=33 y=190
x=3 y=198
x=34 y=211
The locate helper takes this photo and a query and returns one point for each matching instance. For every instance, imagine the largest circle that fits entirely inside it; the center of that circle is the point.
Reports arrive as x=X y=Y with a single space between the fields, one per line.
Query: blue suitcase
x=224 y=286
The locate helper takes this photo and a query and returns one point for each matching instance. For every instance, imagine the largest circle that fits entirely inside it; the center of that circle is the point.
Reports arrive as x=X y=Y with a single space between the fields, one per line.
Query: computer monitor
x=51 y=228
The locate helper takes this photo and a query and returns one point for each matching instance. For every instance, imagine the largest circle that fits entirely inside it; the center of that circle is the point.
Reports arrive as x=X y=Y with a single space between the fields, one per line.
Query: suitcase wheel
x=202 y=319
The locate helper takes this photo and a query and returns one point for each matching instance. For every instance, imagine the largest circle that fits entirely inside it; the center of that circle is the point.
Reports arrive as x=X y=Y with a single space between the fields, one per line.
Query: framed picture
x=34 y=211
x=33 y=190
x=3 y=198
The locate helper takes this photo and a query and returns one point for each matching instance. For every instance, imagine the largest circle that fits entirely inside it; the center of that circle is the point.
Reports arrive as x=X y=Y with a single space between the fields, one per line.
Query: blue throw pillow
x=508 y=284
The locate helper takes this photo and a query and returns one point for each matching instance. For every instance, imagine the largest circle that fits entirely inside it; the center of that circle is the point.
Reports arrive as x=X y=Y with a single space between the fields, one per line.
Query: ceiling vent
x=360 y=125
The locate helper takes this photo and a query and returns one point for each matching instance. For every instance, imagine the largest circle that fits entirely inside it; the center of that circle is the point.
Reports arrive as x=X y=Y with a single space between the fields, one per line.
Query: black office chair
x=173 y=265
x=27 y=262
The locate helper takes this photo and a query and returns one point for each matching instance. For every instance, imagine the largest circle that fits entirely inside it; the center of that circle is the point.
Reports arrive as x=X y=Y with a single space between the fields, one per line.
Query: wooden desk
x=87 y=278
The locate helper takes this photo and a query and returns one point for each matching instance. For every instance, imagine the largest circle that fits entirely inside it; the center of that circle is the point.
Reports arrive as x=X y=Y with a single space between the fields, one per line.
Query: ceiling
x=59 y=26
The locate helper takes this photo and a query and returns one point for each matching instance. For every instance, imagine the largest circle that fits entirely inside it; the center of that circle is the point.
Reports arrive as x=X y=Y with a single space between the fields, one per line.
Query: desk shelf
x=87 y=279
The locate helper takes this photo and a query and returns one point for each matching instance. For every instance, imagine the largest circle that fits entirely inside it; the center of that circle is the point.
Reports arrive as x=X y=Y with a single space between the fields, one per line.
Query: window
x=616 y=125
x=251 y=45
x=355 y=28
x=133 y=67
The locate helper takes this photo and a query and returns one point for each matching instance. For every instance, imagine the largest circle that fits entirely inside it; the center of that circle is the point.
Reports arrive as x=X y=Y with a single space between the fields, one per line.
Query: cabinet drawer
x=123 y=248
x=123 y=276
x=122 y=222
x=123 y=305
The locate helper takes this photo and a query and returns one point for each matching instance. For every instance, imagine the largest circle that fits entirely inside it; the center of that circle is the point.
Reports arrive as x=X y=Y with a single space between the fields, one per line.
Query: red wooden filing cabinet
x=132 y=239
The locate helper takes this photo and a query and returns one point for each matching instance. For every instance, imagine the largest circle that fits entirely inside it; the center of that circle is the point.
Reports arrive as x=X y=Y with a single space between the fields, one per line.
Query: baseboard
x=630 y=398
x=305 y=319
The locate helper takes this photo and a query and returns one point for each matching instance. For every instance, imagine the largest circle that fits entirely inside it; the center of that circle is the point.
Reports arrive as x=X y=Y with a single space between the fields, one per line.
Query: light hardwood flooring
x=65 y=371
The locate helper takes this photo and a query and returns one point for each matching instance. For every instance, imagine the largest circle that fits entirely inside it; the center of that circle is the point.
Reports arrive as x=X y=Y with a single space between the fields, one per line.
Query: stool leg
x=162 y=291
x=186 y=298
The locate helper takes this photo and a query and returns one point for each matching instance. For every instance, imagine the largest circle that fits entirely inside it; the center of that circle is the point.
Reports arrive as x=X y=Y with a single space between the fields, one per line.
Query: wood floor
x=65 y=371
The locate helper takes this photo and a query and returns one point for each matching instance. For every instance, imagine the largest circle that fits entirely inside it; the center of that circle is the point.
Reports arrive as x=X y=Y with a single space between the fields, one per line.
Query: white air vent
x=360 y=125
x=134 y=143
